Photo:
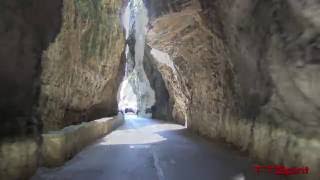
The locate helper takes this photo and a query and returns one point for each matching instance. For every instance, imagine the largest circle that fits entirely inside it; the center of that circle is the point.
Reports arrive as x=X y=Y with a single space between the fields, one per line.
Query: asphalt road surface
x=147 y=149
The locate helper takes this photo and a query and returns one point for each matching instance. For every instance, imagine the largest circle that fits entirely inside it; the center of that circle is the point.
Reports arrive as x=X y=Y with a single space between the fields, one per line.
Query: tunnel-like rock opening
x=245 y=72
x=143 y=90
x=135 y=94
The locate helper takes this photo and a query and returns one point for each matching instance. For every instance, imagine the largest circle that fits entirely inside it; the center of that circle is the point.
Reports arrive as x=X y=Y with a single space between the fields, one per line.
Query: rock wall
x=81 y=68
x=163 y=106
x=26 y=29
x=194 y=64
x=246 y=71
x=61 y=64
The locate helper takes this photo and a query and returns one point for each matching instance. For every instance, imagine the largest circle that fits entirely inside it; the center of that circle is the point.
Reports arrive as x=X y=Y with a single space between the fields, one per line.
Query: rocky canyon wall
x=61 y=64
x=81 y=68
x=163 y=104
x=246 y=71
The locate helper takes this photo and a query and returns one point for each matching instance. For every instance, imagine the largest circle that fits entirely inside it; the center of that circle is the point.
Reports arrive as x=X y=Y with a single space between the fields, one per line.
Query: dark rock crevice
x=26 y=30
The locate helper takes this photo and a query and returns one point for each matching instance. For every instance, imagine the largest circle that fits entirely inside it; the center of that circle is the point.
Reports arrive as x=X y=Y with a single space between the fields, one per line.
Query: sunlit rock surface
x=136 y=92
x=82 y=69
x=246 y=71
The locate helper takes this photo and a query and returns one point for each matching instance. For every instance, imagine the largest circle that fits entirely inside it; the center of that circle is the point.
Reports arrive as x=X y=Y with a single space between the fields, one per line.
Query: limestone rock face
x=278 y=42
x=82 y=69
x=61 y=64
x=194 y=63
x=163 y=105
x=247 y=71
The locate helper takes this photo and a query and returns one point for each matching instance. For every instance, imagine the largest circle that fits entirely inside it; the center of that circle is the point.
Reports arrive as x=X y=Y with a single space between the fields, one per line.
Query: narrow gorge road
x=147 y=149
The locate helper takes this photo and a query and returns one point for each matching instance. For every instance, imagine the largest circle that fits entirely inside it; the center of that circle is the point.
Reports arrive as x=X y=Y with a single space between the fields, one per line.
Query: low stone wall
x=274 y=145
x=19 y=158
x=60 y=146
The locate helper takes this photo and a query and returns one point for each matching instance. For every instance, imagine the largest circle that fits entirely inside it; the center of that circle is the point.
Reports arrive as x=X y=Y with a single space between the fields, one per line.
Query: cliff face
x=82 y=68
x=61 y=64
x=163 y=104
x=194 y=63
x=247 y=71
x=79 y=69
